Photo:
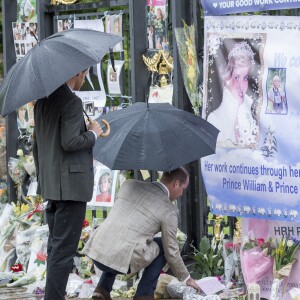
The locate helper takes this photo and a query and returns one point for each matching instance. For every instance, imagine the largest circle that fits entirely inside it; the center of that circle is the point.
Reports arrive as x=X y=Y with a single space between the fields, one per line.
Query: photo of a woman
x=105 y=188
x=235 y=116
x=105 y=185
x=151 y=37
x=22 y=118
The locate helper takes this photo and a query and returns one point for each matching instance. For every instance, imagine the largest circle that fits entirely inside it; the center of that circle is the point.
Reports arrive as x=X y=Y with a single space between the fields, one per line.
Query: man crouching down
x=125 y=242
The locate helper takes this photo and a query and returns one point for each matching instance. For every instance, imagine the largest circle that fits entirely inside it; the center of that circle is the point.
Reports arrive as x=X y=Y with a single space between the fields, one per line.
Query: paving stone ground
x=15 y=293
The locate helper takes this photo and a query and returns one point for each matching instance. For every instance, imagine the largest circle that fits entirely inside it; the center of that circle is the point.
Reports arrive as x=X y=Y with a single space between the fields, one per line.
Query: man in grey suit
x=63 y=156
x=125 y=242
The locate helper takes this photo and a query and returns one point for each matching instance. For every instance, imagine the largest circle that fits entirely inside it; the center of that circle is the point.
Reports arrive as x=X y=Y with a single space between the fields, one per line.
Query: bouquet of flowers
x=3 y=192
x=16 y=170
x=284 y=258
x=29 y=165
x=256 y=259
x=208 y=258
x=185 y=38
x=229 y=256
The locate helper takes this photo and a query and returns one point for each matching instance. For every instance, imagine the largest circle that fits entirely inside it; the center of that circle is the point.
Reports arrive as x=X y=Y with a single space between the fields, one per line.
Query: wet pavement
x=15 y=293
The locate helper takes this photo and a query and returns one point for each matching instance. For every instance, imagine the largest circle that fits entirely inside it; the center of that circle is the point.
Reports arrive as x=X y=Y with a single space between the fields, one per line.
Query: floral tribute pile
x=239 y=264
x=236 y=263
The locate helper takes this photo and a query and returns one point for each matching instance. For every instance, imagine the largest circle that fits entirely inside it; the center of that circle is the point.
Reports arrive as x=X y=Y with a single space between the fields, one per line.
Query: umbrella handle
x=106 y=124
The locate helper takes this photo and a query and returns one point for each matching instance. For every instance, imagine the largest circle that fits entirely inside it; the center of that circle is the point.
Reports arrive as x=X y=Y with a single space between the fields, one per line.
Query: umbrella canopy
x=52 y=62
x=154 y=137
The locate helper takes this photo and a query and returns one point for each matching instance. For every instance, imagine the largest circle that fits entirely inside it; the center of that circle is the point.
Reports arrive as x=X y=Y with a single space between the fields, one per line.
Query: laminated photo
x=24 y=40
x=93 y=88
x=105 y=184
x=26 y=11
x=113 y=25
x=113 y=77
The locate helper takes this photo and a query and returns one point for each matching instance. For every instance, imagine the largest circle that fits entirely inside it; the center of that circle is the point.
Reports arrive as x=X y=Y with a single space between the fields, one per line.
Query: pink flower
x=260 y=242
x=229 y=245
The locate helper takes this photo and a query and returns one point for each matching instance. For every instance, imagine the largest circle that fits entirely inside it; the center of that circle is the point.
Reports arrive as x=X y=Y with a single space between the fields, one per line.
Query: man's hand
x=96 y=128
x=192 y=283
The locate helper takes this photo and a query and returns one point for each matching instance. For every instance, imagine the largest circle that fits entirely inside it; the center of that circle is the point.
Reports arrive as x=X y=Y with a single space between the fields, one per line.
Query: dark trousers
x=65 y=219
x=148 y=282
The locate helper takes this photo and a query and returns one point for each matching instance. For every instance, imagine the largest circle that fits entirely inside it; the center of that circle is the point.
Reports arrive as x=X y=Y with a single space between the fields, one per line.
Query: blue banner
x=223 y=7
x=251 y=94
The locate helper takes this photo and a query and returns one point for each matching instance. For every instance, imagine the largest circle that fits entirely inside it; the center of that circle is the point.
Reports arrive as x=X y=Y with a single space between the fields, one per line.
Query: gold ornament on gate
x=218 y=227
x=57 y=2
x=161 y=63
x=238 y=229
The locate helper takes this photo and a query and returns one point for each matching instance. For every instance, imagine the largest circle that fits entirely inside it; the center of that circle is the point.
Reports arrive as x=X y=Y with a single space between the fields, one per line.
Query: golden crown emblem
x=57 y=2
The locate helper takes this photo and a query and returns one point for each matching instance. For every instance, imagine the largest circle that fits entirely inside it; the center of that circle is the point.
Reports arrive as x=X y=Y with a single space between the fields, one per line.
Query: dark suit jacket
x=63 y=148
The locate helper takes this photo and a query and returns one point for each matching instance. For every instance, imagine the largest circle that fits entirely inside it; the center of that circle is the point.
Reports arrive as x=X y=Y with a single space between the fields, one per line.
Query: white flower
x=290 y=243
x=221 y=235
x=219 y=262
x=20 y=152
x=213 y=244
x=245 y=240
x=265 y=252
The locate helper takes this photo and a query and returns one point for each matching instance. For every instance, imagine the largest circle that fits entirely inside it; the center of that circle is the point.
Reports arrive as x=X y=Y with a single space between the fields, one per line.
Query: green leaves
x=204 y=245
x=208 y=261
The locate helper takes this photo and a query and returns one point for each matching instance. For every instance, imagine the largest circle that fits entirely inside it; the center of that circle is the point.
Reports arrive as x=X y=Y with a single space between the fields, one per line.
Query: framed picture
x=26 y=11
x=113 y=25
x=105 y=185
x=113 y=77
x=23 y=39
x=89 y=108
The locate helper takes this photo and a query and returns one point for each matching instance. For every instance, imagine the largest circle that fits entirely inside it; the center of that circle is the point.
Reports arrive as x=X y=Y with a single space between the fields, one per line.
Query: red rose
x=86 y=223
x=16 y=268
x=41 y=256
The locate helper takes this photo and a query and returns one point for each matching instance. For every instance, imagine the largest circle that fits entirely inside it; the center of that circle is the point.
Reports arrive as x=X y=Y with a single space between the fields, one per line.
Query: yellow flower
x=191 y=73
x=20 y=152
x=24 y=208
x=17 y=210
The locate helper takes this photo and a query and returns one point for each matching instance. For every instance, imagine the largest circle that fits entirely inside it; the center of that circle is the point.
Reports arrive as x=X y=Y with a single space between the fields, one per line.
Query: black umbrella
x=154 y=137
x=52 y=62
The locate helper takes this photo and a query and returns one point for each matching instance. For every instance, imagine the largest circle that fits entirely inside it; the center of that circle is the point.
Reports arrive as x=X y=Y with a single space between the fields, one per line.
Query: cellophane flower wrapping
x=284 y=257
x=29 y=165
x=38 y=249
x=185 y=38
x=255 y=264
x=7 y=238
x=28 y=278
x=229 y=259
x=16 y=170
x=23 y=241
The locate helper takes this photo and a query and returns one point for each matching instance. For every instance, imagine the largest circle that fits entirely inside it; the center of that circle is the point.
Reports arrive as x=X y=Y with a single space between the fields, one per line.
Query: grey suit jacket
x=63 y=148
x=125 y=238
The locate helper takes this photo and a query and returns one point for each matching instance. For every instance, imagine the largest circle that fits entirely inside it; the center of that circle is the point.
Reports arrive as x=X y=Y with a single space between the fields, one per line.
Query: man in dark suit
x=63 y=156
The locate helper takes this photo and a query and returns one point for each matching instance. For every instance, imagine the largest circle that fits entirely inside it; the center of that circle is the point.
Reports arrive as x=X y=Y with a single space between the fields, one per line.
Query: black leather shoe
x=101 y=294
x=143 y=298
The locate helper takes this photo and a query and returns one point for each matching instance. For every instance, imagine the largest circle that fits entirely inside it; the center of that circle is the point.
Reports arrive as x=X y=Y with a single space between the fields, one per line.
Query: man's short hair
x=180 y=174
